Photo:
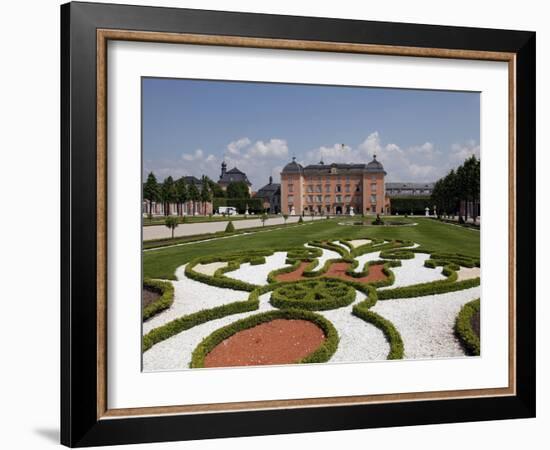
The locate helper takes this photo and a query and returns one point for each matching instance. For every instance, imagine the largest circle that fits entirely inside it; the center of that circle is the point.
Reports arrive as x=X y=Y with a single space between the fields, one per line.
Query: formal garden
x=313 y=292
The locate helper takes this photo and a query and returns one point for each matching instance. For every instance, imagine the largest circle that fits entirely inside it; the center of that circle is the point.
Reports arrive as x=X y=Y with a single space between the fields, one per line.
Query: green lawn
x=430 y=234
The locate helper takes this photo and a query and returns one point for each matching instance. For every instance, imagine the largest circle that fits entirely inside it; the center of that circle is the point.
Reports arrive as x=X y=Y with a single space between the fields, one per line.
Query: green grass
x=430 y=234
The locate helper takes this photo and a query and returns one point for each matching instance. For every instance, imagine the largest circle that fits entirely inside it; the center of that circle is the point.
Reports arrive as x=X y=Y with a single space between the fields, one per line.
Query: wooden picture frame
x=85 y=416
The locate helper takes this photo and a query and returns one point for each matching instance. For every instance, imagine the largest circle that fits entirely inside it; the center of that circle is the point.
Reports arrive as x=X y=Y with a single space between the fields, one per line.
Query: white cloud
x=234 y=147
x=263 y=158
x=460 y=152
x=197 y=155
x=274 y=148
x=422 y=162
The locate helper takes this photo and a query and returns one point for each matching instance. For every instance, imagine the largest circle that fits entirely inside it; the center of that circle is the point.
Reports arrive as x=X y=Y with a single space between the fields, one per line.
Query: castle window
x=290 y=188
x=348 y=198
x=327 y=187
x=290 y=198
x=309 y=188
x=338 y=188
x=318 y=188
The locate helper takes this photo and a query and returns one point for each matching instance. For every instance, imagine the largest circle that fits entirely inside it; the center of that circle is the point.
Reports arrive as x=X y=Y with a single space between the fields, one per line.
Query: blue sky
x=190 y=126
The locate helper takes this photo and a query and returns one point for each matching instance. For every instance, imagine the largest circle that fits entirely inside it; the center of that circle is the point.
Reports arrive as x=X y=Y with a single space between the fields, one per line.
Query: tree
x=285 y=217
x=215 y=188
x=205 y=195
x=460 y=185
x=238 y=189
x=181 y=194
x=172 y=223
x=193 y=195
x=151 y=191
x=263 y=218
x=168 y=193
x=230 y=227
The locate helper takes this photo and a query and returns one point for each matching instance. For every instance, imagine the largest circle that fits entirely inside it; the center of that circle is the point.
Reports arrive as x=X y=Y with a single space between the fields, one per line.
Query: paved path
x=189 y=229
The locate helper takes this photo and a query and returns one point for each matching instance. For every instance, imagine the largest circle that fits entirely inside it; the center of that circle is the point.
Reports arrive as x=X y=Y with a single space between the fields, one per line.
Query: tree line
x=459 y=185
x=180 y=191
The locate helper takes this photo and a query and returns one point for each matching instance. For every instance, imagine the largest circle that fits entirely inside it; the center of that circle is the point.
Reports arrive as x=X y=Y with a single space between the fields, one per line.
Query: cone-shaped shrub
x=230 y=227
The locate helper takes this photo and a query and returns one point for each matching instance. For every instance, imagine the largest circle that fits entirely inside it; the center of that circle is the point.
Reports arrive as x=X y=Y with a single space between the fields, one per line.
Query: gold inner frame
x=104 y=35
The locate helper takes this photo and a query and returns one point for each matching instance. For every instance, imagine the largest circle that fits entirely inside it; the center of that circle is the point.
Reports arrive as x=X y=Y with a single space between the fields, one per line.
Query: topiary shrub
x=378 y=220
x=230 y=228
x=318 y=295
x=301 y=220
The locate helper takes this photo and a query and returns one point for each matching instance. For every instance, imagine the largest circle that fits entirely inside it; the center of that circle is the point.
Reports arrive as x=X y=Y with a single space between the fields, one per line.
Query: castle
x=334 y=189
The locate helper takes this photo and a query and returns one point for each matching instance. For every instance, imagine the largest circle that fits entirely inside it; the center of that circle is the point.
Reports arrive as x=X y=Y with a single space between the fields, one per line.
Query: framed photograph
x=276 y=224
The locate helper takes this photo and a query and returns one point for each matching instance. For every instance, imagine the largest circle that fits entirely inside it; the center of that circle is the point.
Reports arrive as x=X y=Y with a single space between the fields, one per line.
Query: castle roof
x=233 y=176
x=374 y=166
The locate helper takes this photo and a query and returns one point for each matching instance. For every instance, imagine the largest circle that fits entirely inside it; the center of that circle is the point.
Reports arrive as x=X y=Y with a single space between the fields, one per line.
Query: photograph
x=292 y=223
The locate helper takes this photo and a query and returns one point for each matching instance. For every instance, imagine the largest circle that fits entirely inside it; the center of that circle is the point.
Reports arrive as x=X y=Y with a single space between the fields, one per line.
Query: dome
x=375 y=166
x=293 y=167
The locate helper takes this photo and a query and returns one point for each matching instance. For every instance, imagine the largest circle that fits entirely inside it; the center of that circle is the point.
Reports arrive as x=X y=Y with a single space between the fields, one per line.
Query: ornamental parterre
x=314 y=303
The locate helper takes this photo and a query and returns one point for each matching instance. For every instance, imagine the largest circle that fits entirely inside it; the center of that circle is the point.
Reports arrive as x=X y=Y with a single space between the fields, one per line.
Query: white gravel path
x=327 y=254
x=359 y=340
x=467 y=273
x=257 y=274
x=412 y=271
x=426 y=323
x=364 y=258
x=191 y=296
x=210 y=268
x=175 y=353
x=359 y=242
x=340 y=244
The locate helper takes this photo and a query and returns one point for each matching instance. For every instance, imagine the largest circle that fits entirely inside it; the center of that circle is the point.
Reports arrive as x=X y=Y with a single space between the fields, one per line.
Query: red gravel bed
x=336 y=270
x=280 y=341
x=295 y=275
x=149 y=296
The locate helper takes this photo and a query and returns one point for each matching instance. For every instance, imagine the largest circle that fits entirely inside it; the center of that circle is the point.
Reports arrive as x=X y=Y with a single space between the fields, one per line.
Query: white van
x=227 y=210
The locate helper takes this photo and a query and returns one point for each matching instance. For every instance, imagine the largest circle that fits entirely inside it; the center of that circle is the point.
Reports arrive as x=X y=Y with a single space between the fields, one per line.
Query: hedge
x=322 y=354
x=191 y=320
x=166 y=291
x=318 y=295
x=406 y=205
x=392 y=335
x=463 y=328
x=423 y=289
x=255 y=205
x=234 y=261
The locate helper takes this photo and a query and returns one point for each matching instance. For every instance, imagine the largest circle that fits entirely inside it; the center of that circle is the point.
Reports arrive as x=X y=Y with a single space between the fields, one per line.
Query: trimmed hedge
x=186 y=322
x=166 y=291
x=463 y=328
x=422 y=289
x=406 y=204
x=318 y=295
x=392 y=335
x=234 y=261
x=322 y=354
